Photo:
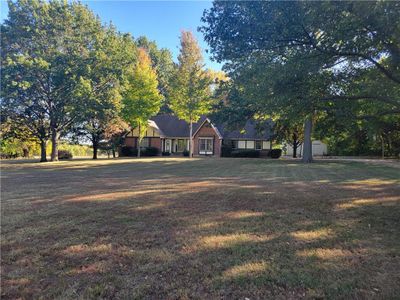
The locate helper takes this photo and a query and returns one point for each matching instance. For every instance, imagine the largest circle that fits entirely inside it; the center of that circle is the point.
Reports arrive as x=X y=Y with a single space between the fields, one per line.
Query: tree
x=46 y=45
x=335 y=43
x=290 y=132
x=141 y=97
x=108 y=60
x=190 y=94
x=162 y=63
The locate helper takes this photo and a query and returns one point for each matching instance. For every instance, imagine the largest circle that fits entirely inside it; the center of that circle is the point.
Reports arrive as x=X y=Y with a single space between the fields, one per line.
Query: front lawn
x=203 y=228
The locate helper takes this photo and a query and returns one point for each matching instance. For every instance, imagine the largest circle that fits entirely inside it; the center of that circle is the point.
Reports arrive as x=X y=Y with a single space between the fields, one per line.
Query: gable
x=207 y=129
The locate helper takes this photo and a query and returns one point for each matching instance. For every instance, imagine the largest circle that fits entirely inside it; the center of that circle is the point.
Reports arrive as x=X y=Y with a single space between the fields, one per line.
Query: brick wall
x=130 y=142
x=155 y=142
x=207 y=131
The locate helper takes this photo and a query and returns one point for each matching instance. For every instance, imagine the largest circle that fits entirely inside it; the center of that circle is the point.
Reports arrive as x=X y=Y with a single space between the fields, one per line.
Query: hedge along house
x=169 y=134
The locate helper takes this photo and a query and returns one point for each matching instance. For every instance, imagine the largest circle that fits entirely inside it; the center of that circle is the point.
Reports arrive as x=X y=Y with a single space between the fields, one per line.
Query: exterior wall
x=130 y=141
x=318 y=149
x=207 y=131
x=156 y=142
x=150 y=132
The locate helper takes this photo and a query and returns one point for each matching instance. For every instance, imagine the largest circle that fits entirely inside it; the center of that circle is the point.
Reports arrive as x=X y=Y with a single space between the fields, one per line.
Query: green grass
x=201 y=228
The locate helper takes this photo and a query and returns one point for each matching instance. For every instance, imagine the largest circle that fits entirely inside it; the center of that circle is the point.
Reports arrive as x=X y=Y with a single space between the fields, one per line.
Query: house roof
x=171 y=126
x=249 y=131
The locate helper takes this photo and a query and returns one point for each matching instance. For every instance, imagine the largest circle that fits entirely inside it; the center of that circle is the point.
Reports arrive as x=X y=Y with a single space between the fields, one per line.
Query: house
x=169 y=134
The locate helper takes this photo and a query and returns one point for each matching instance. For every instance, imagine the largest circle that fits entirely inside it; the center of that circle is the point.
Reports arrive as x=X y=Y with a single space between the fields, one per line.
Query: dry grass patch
x=176 y=228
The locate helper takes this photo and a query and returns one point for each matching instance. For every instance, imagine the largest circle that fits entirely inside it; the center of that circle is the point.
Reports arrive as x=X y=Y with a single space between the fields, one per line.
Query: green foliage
x=76 y=149
x=275 y=153
x=99 y=89
x=162 y=63
x=190 y=93
x=298 y=60
x=142 y=99
x=46 y=47
x=64 y=154
x=131 y=151
x=245 y=153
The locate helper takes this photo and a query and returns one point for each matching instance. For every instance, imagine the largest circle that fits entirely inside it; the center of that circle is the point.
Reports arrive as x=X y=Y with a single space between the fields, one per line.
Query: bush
x=149 y=151
x=128 y=151
x=185 y=153
x=165 y=153
x=226 y=151
x=275 y=153
x=245 y=153
x=64 y=154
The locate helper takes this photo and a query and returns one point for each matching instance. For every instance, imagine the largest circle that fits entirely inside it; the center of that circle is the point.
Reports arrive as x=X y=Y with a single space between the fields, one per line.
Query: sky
x=161 y=21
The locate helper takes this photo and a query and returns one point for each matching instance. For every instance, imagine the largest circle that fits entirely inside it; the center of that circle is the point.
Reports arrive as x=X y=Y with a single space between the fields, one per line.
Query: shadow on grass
x=201 y=229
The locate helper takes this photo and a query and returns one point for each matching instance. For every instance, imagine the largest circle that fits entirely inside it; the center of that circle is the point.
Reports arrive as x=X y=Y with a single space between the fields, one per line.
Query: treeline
x=323 y=70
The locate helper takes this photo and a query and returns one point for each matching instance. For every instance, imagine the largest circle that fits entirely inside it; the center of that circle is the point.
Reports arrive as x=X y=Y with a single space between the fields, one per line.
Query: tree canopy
x=141 y=97
x=190 y=94
x=305 y=58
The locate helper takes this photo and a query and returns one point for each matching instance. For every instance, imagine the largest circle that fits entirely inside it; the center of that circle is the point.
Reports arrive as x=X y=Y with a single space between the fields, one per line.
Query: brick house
x=169 y=134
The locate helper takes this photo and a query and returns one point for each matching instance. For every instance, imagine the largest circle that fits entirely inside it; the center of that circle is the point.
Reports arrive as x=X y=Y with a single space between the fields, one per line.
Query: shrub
x=149 y=151
x=245 y=153
x=128 y=151
x=64 y=154
x=165 y=153
x=275 y=153
x=185 y=153
x=226 y=151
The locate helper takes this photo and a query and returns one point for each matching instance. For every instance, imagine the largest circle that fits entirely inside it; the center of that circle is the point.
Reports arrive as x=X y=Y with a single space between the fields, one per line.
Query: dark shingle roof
x=250 y=131
x=171 y=126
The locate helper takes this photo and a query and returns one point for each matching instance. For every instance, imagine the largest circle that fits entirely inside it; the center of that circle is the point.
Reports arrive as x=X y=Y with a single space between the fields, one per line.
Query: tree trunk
x=55 y=136
x=295 y=150
x=95 y=144
x=295 y=144
x=113 y=152
x=383 y=146
x=191 y=139
x=25 y=152
x=139 y=140
x=43 y=153
x=307 y=148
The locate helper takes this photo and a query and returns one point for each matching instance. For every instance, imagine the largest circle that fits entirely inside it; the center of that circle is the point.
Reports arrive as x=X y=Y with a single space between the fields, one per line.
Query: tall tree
x=190 y=94
x=141 y=97
x=45 y=49
x=163 y=64
x=341 y=41
x=109 y=59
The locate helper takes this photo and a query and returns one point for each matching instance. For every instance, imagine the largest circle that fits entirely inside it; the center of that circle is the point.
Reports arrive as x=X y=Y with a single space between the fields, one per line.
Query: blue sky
x=161 y=21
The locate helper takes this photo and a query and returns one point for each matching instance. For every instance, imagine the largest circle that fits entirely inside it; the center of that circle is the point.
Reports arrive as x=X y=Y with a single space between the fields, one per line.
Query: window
x=242 y=144
x=181 y=145
x=266 y=145
x=234 y=144
x=249 y=144
x=145 y=143
x=205 y=146
x=258 y=145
